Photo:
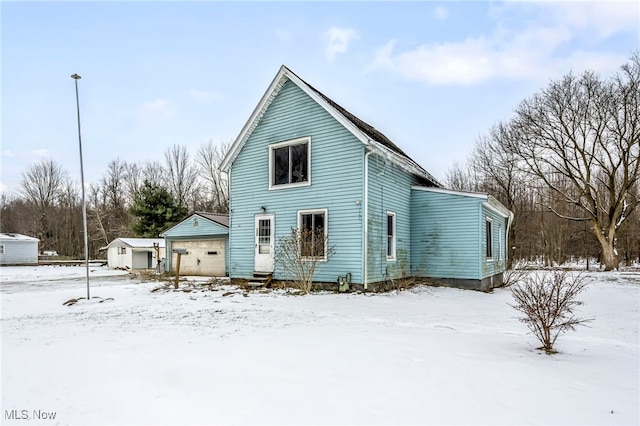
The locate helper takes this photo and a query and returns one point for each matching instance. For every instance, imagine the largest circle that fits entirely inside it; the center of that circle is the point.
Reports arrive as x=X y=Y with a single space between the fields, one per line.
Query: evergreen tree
x=155 y=210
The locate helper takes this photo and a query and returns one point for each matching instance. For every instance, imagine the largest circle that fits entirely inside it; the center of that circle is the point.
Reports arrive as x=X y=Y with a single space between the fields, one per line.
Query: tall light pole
x=76 y=77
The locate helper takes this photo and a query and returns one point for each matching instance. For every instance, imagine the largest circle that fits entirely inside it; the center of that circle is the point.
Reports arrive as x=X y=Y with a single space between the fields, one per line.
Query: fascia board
x=480 y=195
x=257 y=113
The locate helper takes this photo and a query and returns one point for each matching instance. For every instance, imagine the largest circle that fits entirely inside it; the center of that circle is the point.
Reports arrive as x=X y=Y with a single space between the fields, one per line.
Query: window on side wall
x=489 y=239
x=501 y=255
x=289 y=163
x=122 y=250
x=312 y=225
x=391 y=236
x=1 y=248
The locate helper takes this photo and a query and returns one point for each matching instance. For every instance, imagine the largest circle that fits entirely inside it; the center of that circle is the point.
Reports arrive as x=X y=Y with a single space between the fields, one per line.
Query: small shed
x=135 y=253
x=205 y=237
x=18 y=249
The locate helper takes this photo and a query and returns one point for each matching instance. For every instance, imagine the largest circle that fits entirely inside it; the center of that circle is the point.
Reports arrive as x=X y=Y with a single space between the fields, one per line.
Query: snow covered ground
x=423 y=356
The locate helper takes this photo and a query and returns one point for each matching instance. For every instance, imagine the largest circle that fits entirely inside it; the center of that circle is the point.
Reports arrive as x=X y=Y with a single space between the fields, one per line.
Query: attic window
x=195 y=222
x=289 y=163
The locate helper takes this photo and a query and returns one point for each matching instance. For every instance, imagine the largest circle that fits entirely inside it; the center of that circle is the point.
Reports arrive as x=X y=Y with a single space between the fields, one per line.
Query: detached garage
x=135 y=253
x=205 y=237
x=17 y=249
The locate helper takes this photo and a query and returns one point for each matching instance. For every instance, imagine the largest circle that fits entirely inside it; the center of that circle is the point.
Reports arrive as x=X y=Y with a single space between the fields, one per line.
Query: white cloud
x=204 y=96
x=338 y=41
x=7 y=153
x=523 y=52
x=441 y=13
x=40 y=153
x=283 y=35
x=602 y=19
x=151 y=111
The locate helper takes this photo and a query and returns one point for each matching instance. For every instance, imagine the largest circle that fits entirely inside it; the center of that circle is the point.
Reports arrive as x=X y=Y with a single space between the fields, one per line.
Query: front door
x=264 y=243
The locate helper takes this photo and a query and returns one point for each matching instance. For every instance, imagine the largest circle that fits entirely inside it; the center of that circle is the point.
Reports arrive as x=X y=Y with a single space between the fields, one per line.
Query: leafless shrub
x=548 y=299
x=299 y=253
x=517 y=273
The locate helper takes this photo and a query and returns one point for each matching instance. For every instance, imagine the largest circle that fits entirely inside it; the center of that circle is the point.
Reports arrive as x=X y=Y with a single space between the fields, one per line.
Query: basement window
x=289 y=163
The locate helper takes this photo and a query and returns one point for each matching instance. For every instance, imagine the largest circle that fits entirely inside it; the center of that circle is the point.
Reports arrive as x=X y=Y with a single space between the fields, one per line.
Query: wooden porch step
x=260 y=279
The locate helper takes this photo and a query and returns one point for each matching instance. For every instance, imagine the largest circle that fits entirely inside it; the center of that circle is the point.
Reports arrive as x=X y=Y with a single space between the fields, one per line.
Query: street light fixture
x=76 y=77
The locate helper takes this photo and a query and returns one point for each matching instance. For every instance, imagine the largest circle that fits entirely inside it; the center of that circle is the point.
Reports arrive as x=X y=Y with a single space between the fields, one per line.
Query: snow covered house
x=205 y=237
x=18 y=249
x=304 y=162
x=135 y=253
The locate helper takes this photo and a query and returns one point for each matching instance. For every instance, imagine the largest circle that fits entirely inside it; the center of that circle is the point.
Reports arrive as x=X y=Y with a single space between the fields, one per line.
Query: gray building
x=17 y=249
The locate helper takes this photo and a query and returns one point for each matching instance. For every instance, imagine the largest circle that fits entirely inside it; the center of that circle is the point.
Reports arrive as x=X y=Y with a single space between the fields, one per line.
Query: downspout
x=506 y=238
x=228 y=249
x=365 y=243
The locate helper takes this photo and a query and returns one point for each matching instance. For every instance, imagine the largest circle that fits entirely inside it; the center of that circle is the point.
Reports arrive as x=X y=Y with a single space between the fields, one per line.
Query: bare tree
x=299 y=253
x=182 y=175
x=585 y=132
x=548 y=300
x=460 y=177
x=16 y=215
x=208 y=158
x=42 y=184
x=98 y=215
x=114 y=183
x=109 y=202
x=133 y=181
x=154 y=173
x=135 y=174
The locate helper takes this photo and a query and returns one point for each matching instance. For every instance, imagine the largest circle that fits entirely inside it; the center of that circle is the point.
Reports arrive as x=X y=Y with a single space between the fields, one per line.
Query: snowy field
x=423 y=356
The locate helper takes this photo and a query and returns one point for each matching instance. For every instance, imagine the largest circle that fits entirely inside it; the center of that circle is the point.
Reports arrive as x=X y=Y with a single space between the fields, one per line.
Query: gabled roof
x=135 y=243
x=10 y=236
x=218 y=218
x=366 y=133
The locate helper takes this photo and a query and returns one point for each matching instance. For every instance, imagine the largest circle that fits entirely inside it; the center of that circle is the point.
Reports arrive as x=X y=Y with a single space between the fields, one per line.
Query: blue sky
x=432 y=76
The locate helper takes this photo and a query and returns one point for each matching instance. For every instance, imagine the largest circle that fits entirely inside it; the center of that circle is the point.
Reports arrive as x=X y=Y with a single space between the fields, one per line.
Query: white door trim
x=264 y=243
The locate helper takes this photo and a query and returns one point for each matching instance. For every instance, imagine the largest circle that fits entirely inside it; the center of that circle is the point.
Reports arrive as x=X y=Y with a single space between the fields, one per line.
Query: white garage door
x=204 y=258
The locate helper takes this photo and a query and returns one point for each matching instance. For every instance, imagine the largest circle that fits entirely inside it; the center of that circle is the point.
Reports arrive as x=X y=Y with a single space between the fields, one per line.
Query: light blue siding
x=195 y=228
x=389 y=191
x=336 y=185
x=19 y=252
x=497 y=263
x=446 y=237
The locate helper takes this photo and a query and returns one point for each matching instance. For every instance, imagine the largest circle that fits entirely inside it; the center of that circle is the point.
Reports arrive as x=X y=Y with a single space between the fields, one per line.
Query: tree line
x=566 y=164
x=130 y=200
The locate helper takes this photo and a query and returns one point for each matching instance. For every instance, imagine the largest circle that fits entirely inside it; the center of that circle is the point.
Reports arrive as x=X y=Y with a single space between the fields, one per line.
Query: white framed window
x=391 y=236
x=489 y=238
x=312 y=225
x=1 y=248
x=122 y=250
x=290 y=163
x=500 y=244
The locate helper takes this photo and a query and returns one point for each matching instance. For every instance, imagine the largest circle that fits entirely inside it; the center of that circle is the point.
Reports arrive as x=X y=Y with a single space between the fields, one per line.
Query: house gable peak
x=365 y=132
